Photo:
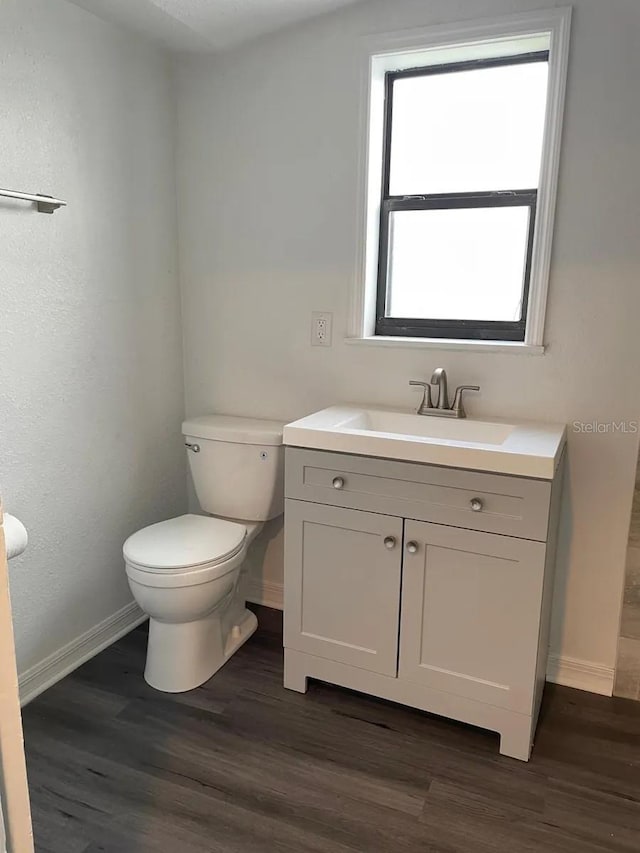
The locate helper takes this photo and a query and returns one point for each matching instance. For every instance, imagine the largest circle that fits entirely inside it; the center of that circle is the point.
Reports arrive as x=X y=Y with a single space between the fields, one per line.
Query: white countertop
x=519 y=448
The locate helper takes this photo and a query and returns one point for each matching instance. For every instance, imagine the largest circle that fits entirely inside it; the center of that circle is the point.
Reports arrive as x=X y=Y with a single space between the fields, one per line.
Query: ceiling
x=206 y=25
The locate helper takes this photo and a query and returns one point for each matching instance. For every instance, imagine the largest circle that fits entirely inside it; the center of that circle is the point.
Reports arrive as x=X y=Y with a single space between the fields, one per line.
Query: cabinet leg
x=516 y=738
x=295 y=677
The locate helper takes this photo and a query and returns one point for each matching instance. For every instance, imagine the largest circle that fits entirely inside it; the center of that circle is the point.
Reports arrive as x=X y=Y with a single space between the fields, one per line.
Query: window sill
x=513 y=347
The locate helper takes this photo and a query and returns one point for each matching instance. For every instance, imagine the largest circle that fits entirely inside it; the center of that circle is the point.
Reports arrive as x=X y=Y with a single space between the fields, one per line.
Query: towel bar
x=45 y=203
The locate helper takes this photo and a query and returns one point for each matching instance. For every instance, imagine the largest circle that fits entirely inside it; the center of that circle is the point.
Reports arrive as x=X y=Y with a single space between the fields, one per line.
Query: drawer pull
x=476 y=504
x=390 y=542
x=338 y=483
x=412 y=547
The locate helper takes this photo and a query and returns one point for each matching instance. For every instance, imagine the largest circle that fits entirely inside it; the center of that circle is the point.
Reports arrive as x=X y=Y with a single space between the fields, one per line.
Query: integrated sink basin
x=428 y=427
x=518 y=448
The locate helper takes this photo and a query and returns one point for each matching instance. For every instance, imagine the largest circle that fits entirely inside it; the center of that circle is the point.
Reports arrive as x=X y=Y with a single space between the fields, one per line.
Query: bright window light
x=470 y=130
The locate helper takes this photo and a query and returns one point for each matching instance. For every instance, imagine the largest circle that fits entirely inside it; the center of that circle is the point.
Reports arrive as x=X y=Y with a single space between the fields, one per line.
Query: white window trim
x=554 y=22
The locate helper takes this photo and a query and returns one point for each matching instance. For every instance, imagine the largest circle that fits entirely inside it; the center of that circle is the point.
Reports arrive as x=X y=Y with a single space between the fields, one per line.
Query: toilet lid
x=183 y=542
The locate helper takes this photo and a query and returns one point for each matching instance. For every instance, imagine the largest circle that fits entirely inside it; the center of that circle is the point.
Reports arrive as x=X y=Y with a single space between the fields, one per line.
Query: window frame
x=503 y=35
x=522 y=197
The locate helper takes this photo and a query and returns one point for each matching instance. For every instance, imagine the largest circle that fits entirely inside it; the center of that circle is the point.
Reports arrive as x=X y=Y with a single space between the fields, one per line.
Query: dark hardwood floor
x=243 y=766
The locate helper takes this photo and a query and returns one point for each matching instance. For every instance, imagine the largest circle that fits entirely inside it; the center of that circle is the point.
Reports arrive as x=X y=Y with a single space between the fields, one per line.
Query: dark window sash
x=466 y=330
x=453 y=328
x=459 y=201
x=470 y=65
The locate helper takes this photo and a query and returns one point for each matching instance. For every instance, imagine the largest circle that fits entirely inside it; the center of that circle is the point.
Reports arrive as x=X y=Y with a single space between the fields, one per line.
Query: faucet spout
x=439 y=378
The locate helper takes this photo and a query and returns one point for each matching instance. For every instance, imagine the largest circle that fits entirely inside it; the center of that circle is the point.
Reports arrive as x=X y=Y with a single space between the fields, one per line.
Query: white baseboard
x=267 y=593
x=570 y=672
x=63 y=661
x=581 y=674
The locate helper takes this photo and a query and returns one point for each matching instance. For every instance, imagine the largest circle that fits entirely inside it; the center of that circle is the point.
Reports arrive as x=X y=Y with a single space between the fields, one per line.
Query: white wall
x=267 y=176
x=90 y=340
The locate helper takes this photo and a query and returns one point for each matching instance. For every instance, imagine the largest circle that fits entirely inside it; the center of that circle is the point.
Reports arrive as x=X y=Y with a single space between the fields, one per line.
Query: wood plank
x=243 y=766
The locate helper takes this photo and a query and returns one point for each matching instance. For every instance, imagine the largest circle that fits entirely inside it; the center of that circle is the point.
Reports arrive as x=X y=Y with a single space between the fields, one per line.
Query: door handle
x=412 y=547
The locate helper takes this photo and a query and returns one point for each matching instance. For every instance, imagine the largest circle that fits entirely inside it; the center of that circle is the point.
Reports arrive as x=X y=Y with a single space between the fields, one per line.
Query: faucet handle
x=426 y=395
x=457 y=405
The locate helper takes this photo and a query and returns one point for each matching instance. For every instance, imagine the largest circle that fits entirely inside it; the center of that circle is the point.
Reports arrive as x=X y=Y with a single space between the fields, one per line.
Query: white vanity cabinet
x=425 y=585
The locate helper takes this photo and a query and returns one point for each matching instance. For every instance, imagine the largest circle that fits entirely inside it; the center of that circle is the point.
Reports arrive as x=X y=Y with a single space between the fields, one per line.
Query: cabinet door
x=342 y=584
x=470 y=613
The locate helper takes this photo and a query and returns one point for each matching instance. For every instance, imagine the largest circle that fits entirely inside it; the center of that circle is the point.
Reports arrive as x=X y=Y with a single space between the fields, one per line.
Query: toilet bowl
x=188 y=574
x=185 y=573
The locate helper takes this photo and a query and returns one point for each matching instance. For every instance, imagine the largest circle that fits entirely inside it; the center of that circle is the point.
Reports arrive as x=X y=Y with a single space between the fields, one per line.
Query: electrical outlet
x=321 y=328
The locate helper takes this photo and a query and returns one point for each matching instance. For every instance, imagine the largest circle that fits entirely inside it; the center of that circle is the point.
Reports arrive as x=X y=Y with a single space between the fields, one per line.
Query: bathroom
x=212 y=160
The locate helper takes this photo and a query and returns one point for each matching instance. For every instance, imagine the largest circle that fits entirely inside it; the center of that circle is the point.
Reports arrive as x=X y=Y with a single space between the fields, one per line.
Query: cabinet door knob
x=390 y=542
x=412 y=547
x=476 y=504
x=338 y=483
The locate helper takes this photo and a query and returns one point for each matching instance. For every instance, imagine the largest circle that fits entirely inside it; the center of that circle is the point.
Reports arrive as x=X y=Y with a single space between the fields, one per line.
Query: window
x=461 y=164
x=463 y=145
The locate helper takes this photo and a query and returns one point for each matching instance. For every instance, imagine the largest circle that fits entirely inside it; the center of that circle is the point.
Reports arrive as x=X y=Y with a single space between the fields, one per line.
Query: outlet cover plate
x=321 y=323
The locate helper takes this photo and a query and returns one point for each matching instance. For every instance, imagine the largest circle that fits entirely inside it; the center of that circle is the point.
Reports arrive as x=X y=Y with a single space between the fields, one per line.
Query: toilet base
x=182 y=656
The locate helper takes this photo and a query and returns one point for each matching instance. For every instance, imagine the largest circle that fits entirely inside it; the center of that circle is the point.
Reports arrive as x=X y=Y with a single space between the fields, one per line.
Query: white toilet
x=187 y=573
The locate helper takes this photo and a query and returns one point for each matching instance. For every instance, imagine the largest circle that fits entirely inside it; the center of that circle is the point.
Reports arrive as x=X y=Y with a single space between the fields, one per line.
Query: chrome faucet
x=442 y=409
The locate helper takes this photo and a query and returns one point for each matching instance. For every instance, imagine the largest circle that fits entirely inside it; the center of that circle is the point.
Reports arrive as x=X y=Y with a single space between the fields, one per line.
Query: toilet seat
x=188 y=543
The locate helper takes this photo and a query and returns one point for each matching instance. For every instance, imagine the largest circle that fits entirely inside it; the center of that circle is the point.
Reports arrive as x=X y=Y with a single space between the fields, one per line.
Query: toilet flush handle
x=194 y=447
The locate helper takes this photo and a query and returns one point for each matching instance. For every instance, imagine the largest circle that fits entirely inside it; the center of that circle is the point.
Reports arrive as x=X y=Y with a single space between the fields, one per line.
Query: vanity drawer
x=495 y=503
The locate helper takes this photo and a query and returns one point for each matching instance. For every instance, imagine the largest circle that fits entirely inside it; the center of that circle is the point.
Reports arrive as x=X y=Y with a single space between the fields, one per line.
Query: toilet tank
x=237 y=465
